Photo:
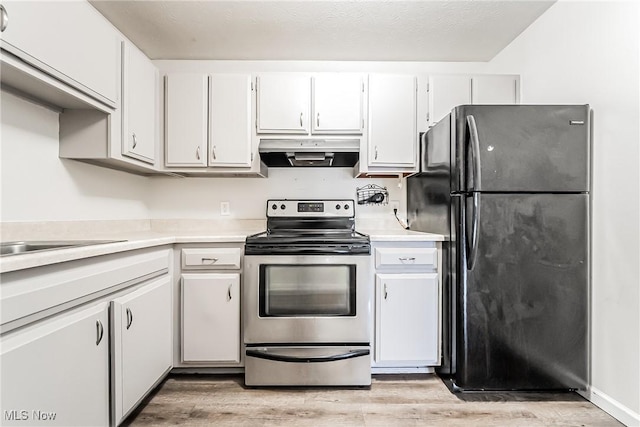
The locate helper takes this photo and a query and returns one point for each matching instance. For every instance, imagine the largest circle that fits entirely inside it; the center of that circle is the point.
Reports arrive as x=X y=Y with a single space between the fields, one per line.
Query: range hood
x=309 y=152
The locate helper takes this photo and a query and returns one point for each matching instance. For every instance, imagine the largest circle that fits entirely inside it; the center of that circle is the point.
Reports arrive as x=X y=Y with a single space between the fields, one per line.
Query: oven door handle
x=293 y=359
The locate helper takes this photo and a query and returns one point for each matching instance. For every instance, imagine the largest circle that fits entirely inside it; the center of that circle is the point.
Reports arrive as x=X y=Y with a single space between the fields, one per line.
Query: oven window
x=307 y=290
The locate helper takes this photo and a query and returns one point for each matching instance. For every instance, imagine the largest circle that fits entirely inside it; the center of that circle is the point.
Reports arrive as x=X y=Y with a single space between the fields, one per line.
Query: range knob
x=282 y=206
x=338 y=207
x=346 y=207
x=274 y=206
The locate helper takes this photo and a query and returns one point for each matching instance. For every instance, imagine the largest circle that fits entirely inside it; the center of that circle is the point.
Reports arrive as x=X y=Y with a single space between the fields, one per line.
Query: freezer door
x=522 y=148
x=522 y=310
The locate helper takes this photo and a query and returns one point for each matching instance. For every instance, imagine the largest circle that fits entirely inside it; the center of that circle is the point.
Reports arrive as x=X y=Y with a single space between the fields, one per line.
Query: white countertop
x=154 y=233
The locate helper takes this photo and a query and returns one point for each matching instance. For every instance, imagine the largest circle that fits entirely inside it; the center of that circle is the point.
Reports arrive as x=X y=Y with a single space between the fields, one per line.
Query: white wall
x=588 y=52
x=200 y=197
x=38 y=186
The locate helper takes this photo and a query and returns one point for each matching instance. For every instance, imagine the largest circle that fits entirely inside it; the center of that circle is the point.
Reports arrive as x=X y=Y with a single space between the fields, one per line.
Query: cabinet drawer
x=419 y=257
x=211 y=258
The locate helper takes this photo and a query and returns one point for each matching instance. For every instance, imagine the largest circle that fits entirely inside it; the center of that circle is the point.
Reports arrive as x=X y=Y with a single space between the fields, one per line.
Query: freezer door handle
x=294 y=359
x=475 y=151
x=475 y=221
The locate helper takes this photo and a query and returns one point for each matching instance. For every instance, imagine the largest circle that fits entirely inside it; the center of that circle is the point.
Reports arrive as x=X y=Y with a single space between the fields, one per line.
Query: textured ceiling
x=453 y=30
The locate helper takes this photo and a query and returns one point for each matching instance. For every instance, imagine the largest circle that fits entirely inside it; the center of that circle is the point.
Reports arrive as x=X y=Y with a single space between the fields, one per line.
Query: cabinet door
x=407 y=319
x=211 y=318
x=392 y=120
x=142 y=337
x=186 y=119
x=337 y=103
x=284 y=101
x=68 y=39
x=497 y=89
x=57 y=373
x=445 y=93
x=139 y=100
x=230 y=120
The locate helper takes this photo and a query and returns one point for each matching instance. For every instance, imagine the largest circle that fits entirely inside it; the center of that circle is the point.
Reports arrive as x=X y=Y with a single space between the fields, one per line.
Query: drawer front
x=417 y=257
x=211 y=258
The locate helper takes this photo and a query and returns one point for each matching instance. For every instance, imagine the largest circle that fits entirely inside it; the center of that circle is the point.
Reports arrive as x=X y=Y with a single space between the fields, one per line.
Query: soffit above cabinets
x=450 y=30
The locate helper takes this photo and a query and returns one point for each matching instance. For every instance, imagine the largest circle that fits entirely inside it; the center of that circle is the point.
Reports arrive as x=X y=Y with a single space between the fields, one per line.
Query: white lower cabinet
x=57 y=372
x=407 y=306
x=142 y=340
x=211 y=317
x=407 y=320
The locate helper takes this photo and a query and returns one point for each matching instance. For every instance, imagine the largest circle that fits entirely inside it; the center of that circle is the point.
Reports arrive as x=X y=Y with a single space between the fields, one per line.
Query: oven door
x=307 y=299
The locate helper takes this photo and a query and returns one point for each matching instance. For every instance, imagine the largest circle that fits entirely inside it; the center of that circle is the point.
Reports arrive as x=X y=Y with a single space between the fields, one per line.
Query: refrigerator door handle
x=475 y=221
x=475 y=151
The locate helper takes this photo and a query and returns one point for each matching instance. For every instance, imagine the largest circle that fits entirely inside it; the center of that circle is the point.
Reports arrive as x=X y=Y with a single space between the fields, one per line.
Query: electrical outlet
x=225 y=208
x=395 y=205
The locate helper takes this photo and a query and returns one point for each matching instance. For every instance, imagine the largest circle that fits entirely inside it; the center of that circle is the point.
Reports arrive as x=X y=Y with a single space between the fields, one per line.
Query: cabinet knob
x=4 y=18
x=300 y=119
x=135 y=140
x=376 y=153
x=209 y=260
x=318 y=120
x=407 y=259
x=229 y=293
x=385 y=291
x=213 y=152
x=198 y=153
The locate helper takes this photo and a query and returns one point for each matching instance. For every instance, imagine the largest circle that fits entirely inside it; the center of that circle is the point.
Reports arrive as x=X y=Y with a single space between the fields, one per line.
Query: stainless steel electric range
x=307 y=297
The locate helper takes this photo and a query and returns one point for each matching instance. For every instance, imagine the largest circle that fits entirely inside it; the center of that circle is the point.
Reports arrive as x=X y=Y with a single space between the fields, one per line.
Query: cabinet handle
x=99 y=332
x=300 y=119
x=209 y=260
x=4 y=18
x=229 y=293
x=318 y=120
x=135 y=140
x=407 y=258
x=376 y=153
x=198 y=153
x=129 y=318
x=213 y=151
x=385 y=291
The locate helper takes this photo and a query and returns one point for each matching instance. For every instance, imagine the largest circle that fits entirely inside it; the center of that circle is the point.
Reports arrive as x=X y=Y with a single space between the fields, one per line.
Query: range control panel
x=310 y=208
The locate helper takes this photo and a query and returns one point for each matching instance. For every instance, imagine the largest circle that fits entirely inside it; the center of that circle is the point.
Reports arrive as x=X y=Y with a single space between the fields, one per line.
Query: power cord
x=402 y=224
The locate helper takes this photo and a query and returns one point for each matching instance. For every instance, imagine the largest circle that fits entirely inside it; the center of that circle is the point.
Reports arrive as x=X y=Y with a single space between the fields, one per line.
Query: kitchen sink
x=27 y=247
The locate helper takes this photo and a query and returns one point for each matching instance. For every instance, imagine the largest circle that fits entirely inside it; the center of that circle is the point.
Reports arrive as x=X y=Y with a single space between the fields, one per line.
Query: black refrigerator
x=508 y=185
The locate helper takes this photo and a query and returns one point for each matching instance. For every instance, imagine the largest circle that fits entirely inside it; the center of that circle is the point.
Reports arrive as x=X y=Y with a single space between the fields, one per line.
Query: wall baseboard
x=611 y=406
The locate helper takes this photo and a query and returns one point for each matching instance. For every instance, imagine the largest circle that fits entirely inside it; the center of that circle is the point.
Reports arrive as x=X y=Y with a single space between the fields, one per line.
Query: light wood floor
x=397 y=400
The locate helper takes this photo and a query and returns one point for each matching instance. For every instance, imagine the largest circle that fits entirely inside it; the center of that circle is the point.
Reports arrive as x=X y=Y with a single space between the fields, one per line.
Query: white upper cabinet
x=494 y=89
x=186 y=119
x=337 y=103
x=230 y=120
x=446 y=92
x=326 y=103
x=139 y=101
x=284 y=103
x=69 y=40
x=392 y=120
